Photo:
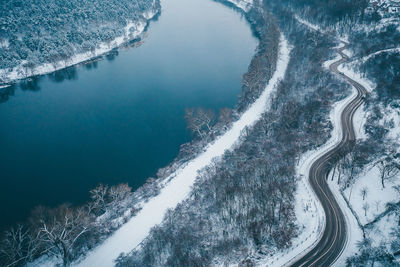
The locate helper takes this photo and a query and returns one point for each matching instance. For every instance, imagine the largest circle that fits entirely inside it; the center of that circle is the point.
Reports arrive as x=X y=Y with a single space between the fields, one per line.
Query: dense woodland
x=33 y=32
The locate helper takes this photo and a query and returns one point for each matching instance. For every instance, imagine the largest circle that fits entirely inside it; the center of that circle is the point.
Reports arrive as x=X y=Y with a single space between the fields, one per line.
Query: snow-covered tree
x=59 y=229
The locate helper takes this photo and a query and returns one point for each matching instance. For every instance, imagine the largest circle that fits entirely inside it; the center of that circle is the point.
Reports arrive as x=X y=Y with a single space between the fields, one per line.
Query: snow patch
x=359 y=120
x=376 y=198
x=131 y=234
x=4 y=44
x=392 y=118
x=309 y=24
x=244 y=5
x=390 y=50
x=369 y=85
x=354 y=233
x=380 y=234
x=327 y=63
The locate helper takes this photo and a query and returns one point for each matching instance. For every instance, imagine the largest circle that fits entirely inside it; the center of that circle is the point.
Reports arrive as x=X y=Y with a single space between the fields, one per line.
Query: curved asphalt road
x=333 y=239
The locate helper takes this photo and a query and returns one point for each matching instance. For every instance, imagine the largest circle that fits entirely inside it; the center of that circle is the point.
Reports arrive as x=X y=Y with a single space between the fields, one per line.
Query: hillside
x=41 y=36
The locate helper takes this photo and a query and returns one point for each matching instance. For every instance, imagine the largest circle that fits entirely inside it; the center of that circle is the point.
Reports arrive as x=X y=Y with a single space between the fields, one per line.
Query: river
x=122 y=118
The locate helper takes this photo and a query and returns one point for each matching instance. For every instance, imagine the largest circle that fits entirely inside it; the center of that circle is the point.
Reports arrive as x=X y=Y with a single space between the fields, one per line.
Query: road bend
x=333 y=239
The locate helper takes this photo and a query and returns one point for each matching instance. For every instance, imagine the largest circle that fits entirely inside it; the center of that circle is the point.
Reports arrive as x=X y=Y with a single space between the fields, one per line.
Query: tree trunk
x=333 y=172
x=66 y=256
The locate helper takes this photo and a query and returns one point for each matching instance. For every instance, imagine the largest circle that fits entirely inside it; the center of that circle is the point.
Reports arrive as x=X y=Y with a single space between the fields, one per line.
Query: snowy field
x=373 y=202
x=375 y=199
x=130 y=235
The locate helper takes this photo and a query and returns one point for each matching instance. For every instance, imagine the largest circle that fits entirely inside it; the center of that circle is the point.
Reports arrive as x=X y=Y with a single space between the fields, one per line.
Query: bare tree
x=207 y=116
x=388 y=168
x=365 y=207
x=98 y=196
x=119 y=192
x=60 y=229
x=18 y=246
x=199 y=120
x=193 y=123
x=364 y=192
x=225 y=117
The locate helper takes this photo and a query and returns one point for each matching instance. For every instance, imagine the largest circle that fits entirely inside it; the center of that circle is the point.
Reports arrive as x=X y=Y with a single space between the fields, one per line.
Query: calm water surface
x=121 y=119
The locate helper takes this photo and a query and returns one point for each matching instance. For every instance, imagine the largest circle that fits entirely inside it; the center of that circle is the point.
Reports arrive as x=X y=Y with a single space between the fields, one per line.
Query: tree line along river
x=122 y=118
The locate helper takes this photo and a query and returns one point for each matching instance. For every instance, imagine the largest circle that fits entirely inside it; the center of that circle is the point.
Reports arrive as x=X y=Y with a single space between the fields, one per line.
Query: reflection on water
x=6 y=92
x=64 y=74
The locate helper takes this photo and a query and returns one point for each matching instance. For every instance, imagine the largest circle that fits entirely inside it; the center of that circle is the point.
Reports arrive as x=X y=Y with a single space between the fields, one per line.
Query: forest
x=37 y=32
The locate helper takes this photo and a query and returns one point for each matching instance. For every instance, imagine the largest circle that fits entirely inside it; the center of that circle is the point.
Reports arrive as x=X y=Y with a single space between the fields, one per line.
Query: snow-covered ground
x=244 y=5
x=359 y=119
x=309 y=25
x=354 y=233
x=350 y=72
x=130 y=235
x=380 y=233
x=376 y=198
x=392 y=116
x=390 y=50
x=327 y=63
x=132 y=30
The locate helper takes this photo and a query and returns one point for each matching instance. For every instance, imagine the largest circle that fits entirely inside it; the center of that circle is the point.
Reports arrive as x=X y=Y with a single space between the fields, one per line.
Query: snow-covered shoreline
x=19 y=72
x=244 y=5
x=130 y=235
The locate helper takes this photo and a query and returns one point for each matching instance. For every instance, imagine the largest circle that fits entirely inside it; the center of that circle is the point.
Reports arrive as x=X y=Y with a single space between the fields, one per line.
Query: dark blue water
x=119 y=120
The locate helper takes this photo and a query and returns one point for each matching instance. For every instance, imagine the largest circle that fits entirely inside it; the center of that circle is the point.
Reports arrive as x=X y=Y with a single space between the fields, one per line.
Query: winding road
x=331 y=244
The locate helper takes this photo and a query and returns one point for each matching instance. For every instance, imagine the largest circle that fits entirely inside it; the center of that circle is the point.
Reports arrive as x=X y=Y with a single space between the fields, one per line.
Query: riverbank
x=174 y=182
x=131 y=234
x=133 y=31
x=236 y=49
